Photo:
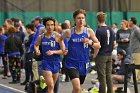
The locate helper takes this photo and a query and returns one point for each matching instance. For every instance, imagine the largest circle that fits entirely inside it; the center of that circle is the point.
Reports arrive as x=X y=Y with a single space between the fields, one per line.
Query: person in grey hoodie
x=135 y=43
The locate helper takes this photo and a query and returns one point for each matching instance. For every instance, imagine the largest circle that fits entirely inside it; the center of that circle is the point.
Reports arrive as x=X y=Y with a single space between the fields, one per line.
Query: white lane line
x=12 y=88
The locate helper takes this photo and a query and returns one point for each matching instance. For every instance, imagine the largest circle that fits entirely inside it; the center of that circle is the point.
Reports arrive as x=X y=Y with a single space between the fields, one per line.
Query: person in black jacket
x=14 y=49
x=28 y=54
x=2 y=54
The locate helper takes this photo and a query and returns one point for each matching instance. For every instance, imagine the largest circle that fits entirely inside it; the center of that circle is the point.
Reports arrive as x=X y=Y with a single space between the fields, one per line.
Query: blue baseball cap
x=38 y=18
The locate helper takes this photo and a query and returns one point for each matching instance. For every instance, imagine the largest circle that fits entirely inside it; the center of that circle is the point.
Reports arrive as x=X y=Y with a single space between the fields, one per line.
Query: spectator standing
x=28 y=54
x=2 y=52
x=123 y=37
x=135 y=43
x=14 y=49
x=103 y=60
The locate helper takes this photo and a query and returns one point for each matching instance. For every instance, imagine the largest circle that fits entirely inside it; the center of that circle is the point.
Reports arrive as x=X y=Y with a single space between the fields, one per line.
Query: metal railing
x=127 y=68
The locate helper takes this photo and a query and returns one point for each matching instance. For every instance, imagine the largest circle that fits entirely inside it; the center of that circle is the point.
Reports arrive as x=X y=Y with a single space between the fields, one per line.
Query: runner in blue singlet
x=80 y=40
x=51 y=53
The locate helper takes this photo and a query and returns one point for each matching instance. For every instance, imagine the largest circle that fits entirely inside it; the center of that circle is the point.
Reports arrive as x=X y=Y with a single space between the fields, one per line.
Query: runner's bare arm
x=94 y=41
x=61 y=43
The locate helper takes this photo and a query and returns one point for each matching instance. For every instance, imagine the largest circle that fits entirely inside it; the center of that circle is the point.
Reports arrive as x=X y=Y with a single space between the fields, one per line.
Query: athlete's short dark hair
x=45 y=19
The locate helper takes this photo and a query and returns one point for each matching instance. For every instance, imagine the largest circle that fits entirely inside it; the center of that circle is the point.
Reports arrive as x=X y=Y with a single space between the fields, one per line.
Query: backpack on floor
x=37 y=86
x=30 y=87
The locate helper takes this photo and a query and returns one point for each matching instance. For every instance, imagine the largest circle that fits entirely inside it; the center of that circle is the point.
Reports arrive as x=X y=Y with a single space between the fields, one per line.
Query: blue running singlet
x=50 y=44
x=52 y=62
x=78 y=51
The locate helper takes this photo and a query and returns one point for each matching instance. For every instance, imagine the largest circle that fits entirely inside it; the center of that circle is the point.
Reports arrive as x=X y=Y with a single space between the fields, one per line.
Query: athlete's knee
x=50 y=86
x=77 y=89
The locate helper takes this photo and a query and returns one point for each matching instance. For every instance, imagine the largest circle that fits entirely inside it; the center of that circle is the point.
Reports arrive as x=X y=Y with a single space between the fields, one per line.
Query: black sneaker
x=23 y=83
x=13 y=82
x=18 y=81
x=67 y=79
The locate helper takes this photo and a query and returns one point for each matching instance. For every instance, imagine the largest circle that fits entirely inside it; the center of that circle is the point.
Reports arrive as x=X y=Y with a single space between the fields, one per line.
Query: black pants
x=28 y=67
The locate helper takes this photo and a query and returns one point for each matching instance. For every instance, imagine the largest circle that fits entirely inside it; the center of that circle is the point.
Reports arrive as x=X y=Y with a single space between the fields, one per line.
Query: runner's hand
x=86 y=40
x=49 y=52
x=37 y=52
x=65 y=52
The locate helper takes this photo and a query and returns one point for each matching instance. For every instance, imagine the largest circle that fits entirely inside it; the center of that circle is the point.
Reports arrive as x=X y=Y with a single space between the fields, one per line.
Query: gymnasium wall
x=26 y=10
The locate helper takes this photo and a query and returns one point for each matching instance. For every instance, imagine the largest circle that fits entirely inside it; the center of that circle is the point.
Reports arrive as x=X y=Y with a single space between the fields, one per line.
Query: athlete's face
x=50 y=26
x=80 y=20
